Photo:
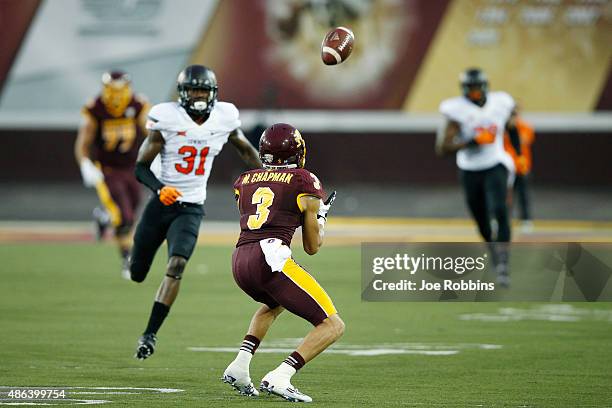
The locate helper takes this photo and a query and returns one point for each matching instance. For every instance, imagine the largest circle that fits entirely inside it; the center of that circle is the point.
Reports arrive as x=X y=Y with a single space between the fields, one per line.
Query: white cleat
x=281 y=386
x=125 y=274
x=527 y=227
x=125 y=269
x=240 y=381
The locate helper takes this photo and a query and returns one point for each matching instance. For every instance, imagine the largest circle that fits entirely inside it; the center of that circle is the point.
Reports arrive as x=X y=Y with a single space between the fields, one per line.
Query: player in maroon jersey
x=273 y=202
x=112 y=128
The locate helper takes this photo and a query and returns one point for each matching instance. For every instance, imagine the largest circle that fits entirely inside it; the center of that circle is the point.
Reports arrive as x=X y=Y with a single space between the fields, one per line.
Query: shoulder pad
x=228 y=115
x=163 y=116
x=311 y=183
x=452 y=108
x=504 y=98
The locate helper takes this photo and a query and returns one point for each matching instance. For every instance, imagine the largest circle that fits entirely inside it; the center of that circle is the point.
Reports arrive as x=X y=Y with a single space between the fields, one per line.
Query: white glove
x=324 y=207
x=90 y=173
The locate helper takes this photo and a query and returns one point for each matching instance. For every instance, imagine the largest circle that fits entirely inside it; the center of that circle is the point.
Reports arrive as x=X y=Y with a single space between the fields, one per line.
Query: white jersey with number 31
x=189 y=148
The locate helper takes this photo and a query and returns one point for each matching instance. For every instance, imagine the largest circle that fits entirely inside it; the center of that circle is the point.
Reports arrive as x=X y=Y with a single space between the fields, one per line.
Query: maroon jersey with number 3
x=269 y=202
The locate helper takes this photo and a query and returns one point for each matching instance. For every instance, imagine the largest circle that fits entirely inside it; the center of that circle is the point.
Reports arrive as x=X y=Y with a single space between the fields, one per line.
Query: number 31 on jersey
x=189 y=156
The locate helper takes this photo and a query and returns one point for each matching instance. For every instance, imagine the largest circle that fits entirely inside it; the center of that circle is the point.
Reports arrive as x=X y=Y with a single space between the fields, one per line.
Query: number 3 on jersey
x=263 y=197
x=189 y=155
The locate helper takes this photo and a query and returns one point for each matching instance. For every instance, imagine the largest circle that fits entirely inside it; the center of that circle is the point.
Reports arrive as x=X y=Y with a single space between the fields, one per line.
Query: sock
x=295 y=361
x=247 y=349
x=502 y=252
x=125 y=253
x=158 y=314
x=285 y=370
x=243 y=359
x=249 y=344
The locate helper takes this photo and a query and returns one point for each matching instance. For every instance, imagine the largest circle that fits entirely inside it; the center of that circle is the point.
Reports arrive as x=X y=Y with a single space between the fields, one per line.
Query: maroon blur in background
x=572 y=159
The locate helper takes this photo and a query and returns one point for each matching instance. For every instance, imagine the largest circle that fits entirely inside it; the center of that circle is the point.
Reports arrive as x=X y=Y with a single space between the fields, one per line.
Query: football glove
x=324 y=207
x=484 y=137
x=521 y=165
x=90 y=173
x=168 y=195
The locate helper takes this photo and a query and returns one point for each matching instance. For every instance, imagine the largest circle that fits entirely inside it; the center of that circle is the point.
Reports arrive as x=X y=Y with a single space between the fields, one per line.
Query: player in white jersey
x=474 y=130
x=187 y=134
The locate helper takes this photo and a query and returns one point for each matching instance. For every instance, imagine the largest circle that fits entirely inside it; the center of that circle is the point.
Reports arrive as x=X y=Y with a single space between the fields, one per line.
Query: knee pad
x=176 y=266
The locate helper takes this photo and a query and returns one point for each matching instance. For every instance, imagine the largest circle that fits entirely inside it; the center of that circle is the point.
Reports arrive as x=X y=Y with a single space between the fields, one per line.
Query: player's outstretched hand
x=168 y=195
x=90 y=173
x=324 y=206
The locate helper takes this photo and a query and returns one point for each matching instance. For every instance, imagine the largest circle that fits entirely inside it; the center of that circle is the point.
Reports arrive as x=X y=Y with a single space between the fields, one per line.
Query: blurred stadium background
x=369 y=123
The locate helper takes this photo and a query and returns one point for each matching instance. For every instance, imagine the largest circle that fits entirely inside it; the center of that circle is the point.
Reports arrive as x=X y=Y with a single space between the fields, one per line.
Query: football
x=337 y=46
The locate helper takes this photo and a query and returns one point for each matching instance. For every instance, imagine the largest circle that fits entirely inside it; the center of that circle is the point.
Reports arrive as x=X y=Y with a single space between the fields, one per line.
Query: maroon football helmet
x=282 y=146
x=116 y=92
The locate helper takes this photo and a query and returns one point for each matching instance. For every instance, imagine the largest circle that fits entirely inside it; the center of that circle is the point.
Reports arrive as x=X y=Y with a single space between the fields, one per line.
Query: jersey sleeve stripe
x=299 y=204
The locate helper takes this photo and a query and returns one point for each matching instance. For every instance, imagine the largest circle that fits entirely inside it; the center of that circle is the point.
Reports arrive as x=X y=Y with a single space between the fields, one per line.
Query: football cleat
x=146 y=346
x=527 y=226
x=503 y=278
x=503 y=281
x=239 y=380
x=125 y=269
x=281 y=386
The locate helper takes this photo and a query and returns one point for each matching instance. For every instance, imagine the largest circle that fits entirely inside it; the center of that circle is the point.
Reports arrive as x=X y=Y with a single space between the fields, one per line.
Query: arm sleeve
x=515 y=140
x=145 y=176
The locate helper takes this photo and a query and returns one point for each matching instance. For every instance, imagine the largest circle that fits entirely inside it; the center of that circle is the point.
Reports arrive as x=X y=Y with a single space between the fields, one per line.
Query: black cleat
x=503 y=281
x=146 y=346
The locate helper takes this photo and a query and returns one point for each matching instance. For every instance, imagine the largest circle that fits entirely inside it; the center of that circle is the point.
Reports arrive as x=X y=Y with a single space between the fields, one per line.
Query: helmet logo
x=298 y=138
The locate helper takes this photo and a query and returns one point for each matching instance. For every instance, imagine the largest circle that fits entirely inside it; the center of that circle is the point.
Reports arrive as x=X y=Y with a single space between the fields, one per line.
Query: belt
x=185 y=204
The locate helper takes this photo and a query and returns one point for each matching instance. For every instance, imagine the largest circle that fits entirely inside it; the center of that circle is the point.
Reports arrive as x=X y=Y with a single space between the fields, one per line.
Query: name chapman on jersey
x=426 y=286
x=267 y=176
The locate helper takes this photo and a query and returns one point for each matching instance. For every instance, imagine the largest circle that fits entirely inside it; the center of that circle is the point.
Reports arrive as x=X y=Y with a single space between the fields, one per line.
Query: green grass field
x=68 y=319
